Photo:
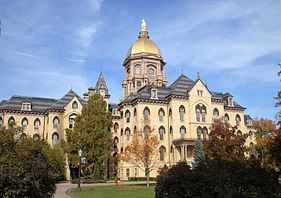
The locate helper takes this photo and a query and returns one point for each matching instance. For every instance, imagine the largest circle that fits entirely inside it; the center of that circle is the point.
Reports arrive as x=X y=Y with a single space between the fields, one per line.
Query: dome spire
x=143 y=33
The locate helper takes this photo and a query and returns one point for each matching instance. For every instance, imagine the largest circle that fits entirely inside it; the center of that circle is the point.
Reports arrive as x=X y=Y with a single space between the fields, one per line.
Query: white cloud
x=95 y=4
x=86 y=34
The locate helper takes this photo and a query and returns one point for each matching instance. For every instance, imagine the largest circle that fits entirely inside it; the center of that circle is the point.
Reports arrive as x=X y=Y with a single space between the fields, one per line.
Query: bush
x=217 y=178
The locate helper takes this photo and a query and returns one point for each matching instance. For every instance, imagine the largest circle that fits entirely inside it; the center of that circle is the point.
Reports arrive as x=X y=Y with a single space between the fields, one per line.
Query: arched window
x=205 y=133
x=55 y=139
x=11 y=122
x=161 y=114
x=171 y=149
x=182 y=112
x=161 y=132
x=135 y=114
x=37 y=124
x=216 y=113
x=128 y=134
x=1 y=121
x=127 y=115
x=24 y=123
x=23 y=136
x=74 y=105
x=71 y=120
x=199 y=133
x=121 y=133
x=162 y=151
x=171 y=131
x=116 y=140
x=170 y=114
x=36 y=137
x=56 y=122
x=200 y=111
x=182 y=132
x=116 y=127
x=239 y=133
x=146 y=112
x=121 y=150
x=238 y=120
x=146 y=129
x=226 y=118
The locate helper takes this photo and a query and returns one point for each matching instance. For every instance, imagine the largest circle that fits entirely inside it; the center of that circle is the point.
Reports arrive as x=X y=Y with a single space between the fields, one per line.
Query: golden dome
x=143 y=44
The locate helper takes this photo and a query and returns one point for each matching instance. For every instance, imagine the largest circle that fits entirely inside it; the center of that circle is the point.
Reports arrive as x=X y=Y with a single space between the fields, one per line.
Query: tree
x=217 y=178
x=143 y=150
x=274 y=148
x=91 y=133
x=225 y=142
x=198 y=152
x=278 y=103
x=28 y=168
x=264 y=129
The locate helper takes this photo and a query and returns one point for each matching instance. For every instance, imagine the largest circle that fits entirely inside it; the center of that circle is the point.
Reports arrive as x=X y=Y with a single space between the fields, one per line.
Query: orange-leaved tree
x=143 y=149
x=225 y=142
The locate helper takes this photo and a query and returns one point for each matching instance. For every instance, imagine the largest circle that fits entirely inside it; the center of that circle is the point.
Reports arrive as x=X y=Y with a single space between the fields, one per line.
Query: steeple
x=101 y=87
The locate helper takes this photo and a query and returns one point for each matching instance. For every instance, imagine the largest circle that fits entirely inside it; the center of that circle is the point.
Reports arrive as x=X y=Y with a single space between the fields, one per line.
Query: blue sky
x=47 y=46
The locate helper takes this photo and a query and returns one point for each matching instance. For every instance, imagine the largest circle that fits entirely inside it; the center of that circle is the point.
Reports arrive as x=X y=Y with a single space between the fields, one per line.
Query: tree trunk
x=147 y=177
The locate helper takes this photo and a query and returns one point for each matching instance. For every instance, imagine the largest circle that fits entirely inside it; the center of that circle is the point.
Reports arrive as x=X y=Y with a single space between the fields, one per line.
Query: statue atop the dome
x=143 y=25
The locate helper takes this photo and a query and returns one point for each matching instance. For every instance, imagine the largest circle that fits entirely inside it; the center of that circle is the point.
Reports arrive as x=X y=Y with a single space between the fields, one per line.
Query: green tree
x=198 y=152
x=91 y=133
x=28 y=168
x=225 y=142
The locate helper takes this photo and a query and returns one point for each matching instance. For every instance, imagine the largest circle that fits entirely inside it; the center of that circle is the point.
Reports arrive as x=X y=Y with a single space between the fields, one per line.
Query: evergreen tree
x=91 y=134
x=198 y=152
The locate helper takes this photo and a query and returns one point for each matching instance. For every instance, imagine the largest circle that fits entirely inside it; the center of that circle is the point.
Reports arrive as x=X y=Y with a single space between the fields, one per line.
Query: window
x=226 y=118
x=199 y=133
x=1 y=121
x=170 y=114
x=146 y=129
x=116 y=127
x=36 y=137
x=74 y=105
x=230 y=101
x=24 y=123
x=146 y=112
x=171 y=149
x=71 y=120
x=55 y=139
x=216 y=113
x=200 y=111
x=238 y=120
x=135 y=129
x=37 y=124
x=153 y=94
x=128 y=134
x=121 y=133
x=26 y=106
x=128 y=172
x=116 y=140
x=161 y=132
x=200 y=92
x=182 y=112
x=55 y=122
x=135 y=115
x=171 y=131
x=11 y=122
x=127 y=115
x=205 y=133
x=23 y=136
x=121 y=150
x=239 y=133
x=161 y=115
x=182 y=132
x=162 y=151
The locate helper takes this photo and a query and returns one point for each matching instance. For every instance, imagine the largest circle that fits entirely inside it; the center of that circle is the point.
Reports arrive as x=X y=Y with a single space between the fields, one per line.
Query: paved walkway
x=62 y=188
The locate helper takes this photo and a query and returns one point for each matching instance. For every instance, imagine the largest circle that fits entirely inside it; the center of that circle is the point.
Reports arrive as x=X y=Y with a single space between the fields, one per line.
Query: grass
x=126 y=191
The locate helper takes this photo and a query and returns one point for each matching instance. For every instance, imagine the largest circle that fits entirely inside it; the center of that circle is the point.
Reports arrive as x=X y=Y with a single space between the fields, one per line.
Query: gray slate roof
x=40 y=105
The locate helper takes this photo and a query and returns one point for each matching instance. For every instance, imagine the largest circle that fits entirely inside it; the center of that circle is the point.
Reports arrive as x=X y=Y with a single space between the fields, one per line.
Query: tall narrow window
x=203 y=113
x=128 y=134
x=226 y=118
x=170 y=114
x=162 y=151
x=24 y=123
x=127 y=115
x=135 y=115
x=182 y=112
x=205 y=132
x=55 y=139
x=71 y=120
x=146 y=112
x=55 y=122
x=198 y=115
x=37 y=124
x=161 y=115
x=199 y=133
x=11 y=122
x=182 y=132
x=74 y=105
x=238 y=120
x=1 y=122
x=116 y=127
x=161 y=132
x=216 y=113
x=171 y=132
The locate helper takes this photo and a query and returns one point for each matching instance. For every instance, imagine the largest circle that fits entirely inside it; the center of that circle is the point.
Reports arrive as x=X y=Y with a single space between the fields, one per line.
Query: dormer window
x=154 y=94
x=26 y=106
x=230 y=101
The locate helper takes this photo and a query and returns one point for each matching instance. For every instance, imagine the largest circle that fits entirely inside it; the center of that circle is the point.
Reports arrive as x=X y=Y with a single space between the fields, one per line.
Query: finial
x=71 y=87
x=198 y=75
x=181 y=71
x=143 y=25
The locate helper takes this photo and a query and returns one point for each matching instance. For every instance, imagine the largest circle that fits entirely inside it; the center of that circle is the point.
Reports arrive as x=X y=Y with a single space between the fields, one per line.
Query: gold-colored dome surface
x=143 y=44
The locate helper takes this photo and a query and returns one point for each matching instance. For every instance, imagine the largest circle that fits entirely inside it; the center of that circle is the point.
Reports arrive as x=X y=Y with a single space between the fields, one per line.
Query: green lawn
x=137 y=191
